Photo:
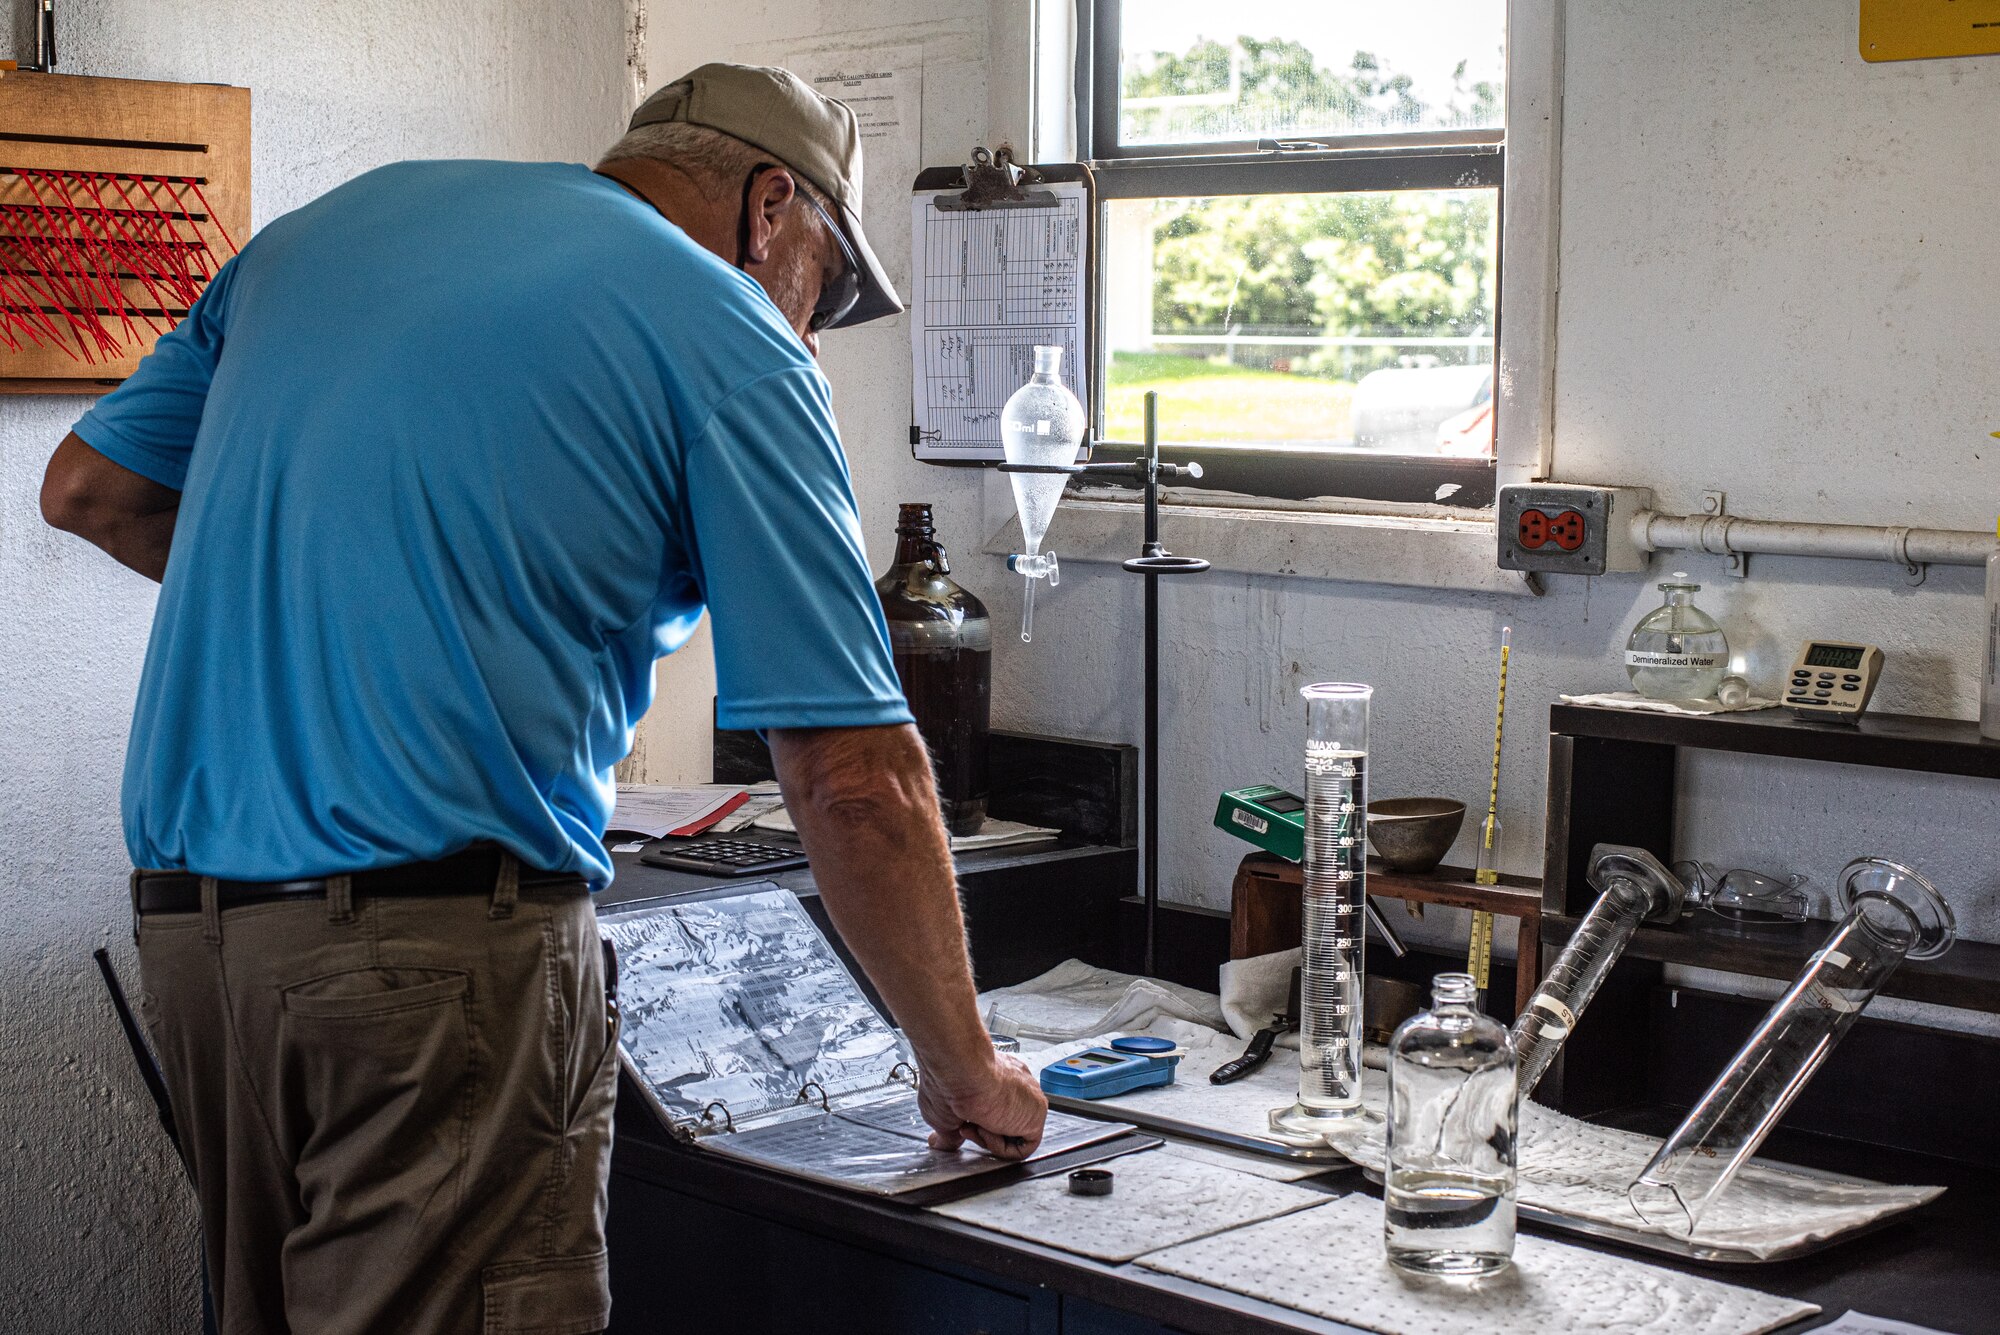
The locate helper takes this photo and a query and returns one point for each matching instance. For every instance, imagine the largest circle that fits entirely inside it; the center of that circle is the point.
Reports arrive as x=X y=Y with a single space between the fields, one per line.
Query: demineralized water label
x=1648 y=658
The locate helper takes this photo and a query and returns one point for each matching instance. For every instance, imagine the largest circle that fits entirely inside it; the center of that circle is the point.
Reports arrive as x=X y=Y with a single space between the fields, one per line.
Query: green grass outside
x=1210 y=400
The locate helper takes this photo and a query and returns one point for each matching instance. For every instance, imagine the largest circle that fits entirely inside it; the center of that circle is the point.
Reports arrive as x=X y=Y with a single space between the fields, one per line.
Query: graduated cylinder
x=1632 y=887
x=1893 y=914
x=1336 y=884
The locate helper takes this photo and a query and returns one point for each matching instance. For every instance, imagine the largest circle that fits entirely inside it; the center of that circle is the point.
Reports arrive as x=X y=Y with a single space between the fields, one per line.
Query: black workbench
x=703 y=1244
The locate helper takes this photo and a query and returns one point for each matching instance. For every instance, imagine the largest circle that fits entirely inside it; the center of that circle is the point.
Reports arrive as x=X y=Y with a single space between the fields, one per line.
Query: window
x=1300 y=237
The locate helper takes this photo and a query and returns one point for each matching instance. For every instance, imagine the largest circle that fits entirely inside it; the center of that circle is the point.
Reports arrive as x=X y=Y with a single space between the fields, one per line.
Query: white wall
x=1775 y=281
x=98 y=1229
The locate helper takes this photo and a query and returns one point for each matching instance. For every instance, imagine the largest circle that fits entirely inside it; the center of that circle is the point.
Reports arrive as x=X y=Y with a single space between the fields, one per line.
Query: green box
x=1271 y=818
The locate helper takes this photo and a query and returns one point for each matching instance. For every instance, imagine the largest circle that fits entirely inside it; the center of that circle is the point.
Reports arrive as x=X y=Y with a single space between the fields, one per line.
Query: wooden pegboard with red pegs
x=119 y=200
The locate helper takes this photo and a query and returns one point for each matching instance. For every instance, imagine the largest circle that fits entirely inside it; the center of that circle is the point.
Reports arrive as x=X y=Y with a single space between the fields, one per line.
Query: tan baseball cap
x=812 y=134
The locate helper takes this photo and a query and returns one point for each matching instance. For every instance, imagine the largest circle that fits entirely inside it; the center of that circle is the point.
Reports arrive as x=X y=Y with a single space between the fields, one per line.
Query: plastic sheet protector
x=741 y=1002
x=1328 y=1261
x=744 y=1028
x=1159 y=1199
x=882 y=1147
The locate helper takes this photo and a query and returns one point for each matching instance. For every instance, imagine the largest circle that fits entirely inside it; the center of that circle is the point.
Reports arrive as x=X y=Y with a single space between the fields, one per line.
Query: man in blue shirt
x=431 y=475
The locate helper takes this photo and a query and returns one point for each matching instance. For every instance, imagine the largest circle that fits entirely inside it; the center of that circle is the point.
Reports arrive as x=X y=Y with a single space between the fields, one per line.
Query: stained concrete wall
x=1774 y=282
x=98 y=1231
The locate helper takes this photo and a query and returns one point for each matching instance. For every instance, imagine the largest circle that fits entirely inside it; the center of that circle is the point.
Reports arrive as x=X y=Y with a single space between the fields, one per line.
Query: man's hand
x=108 y=505
x=1001 y=1112
x=865 y=808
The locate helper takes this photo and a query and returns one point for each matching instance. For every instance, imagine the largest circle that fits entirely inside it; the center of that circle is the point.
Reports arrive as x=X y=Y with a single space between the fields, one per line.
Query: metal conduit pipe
x=1726 y=535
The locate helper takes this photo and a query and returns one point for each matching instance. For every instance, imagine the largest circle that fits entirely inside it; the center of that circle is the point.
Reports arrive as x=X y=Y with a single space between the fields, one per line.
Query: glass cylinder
x=942 y=641
x=1041 y=424
x=1677 y=651
x=1892 y=914
x=1336 y=887
x=1448 y=1189
x=1632 y=887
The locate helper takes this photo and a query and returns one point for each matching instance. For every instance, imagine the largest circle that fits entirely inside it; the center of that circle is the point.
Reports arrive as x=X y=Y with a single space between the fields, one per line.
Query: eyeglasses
x=839 y=293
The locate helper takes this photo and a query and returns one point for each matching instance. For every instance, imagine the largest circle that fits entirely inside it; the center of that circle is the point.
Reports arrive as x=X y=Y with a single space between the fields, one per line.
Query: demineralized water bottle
x=1448 y=1195
x=1677 y=652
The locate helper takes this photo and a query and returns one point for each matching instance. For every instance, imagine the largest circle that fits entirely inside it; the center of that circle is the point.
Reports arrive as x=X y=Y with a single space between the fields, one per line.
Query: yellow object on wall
x=1929 y=29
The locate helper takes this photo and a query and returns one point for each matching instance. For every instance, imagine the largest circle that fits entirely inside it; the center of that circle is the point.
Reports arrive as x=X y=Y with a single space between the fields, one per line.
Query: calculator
x=723 y=855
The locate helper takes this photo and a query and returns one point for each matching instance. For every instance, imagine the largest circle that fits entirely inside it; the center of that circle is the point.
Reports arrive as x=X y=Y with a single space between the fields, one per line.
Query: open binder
x=750 y=1038
x=1000 y=262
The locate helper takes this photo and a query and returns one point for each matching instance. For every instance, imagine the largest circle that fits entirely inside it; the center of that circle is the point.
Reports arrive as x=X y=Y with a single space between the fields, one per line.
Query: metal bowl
x=1414 y=833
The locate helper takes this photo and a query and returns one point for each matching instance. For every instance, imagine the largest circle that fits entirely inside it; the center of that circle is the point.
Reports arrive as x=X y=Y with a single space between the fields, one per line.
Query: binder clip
x=993 y=180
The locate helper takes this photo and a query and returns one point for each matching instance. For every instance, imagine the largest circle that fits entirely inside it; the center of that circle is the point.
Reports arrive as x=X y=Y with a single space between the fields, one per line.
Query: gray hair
x=718 y=163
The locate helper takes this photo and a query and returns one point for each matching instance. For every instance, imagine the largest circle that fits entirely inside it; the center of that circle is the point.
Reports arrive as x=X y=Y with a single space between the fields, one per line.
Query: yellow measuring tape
x=1479 y=954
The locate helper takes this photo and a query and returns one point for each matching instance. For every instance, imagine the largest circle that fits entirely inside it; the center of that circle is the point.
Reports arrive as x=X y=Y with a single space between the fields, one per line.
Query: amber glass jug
x=943 y=643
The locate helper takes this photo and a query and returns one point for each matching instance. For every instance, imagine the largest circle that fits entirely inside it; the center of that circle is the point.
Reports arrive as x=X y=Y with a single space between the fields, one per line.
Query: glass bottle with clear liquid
x=1448 y=1193
x=1677 y=651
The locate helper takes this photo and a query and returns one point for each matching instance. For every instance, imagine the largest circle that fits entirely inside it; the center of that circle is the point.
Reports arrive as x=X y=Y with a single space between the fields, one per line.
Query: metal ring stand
x=1153 y=561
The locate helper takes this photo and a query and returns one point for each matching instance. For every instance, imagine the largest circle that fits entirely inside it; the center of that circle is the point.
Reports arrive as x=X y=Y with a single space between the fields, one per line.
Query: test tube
x=1892 y=914
x=1632 y=886
x=1336 y=887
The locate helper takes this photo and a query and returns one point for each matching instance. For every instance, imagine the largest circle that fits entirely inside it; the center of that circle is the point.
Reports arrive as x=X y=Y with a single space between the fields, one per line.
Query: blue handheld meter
x=1131 y=1063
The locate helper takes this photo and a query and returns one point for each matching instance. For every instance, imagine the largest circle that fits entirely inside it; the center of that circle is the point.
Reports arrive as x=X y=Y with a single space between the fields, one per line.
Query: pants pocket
x=360 y=993
x=379 y=1065
x=564 y=1295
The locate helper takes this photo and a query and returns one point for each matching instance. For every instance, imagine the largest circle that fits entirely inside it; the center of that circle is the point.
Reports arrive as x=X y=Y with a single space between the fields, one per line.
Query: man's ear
x=773 y=199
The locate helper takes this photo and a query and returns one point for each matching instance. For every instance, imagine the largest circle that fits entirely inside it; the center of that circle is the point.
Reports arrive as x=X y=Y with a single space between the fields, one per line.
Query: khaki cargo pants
x=397 y=1109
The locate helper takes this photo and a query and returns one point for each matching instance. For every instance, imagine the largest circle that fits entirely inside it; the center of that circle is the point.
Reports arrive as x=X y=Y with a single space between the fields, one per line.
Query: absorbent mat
x=1075 y=1000
x=1258 y=1165
x=1329 y=1262
x=1580 y=1171
x=1568 y=1168
x=1158 y=1200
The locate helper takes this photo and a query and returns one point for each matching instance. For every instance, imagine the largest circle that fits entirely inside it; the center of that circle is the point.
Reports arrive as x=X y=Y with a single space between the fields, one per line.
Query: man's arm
x=106 y=504
x=864 y=806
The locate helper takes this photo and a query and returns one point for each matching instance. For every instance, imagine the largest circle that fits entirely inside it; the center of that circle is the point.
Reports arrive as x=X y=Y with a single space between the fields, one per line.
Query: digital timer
x=1833 y=680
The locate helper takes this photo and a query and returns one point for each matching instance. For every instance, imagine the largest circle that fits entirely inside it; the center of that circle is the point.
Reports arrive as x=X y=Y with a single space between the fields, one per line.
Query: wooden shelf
x=1967 y=975
x=1888 y=741
x=1515 y=896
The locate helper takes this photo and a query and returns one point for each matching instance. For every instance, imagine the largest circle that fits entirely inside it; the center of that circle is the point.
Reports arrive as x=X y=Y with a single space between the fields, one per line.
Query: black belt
x=472 y=872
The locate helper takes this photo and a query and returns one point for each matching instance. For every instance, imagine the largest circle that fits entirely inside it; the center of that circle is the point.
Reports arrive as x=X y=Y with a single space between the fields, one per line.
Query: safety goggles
x=839 y=293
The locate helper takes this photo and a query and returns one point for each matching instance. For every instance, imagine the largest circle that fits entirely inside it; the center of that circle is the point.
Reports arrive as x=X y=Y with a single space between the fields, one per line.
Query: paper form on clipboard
x=988 y=286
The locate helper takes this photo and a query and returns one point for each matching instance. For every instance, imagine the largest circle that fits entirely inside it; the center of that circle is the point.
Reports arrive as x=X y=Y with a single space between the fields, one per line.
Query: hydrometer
x=1479 y=955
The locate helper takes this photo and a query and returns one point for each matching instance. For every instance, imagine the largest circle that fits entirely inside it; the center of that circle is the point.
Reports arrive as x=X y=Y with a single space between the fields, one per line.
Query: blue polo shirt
x=463 y=448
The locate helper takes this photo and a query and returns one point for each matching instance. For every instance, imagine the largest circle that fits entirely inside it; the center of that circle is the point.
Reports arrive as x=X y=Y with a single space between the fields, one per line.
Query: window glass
x=1192 y=71
x=1356 y=321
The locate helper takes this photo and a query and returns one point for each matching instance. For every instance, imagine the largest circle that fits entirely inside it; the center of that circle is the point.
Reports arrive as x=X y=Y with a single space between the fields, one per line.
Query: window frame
x=1336 y=164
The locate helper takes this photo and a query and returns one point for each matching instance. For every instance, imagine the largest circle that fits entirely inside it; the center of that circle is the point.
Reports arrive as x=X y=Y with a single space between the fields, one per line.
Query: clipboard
x=1002 y=258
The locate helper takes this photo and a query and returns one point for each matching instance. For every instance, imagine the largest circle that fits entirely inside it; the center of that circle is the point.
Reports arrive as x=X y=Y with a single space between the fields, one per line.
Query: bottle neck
x=1454 y=991
x=916 y=539
x=1680 y=597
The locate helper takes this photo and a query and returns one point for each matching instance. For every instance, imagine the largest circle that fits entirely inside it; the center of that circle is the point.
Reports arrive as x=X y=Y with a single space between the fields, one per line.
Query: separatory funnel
x=1040 y=428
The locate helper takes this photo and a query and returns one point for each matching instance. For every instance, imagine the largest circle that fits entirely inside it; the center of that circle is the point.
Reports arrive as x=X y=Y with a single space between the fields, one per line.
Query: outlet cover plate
x=1538 y=528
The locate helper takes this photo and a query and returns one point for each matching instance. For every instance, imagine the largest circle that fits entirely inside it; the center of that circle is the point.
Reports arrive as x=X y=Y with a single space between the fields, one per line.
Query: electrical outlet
x=1568 y=529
